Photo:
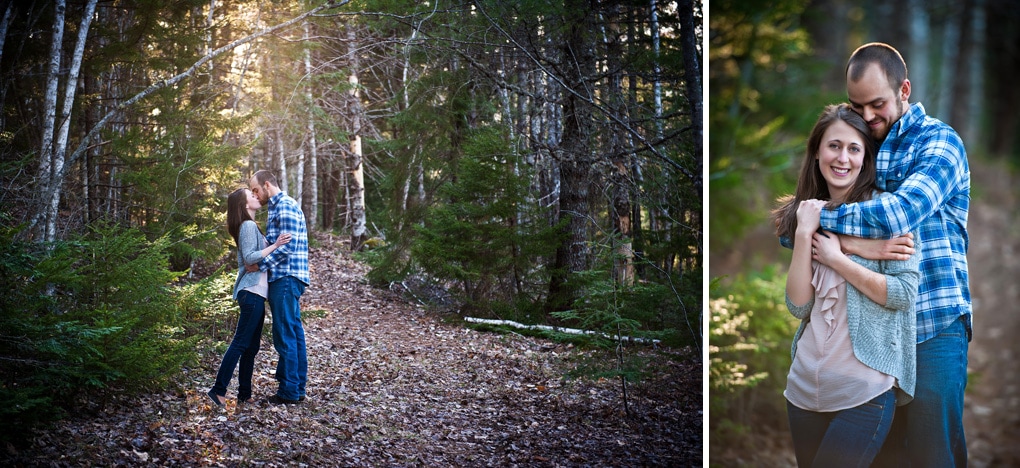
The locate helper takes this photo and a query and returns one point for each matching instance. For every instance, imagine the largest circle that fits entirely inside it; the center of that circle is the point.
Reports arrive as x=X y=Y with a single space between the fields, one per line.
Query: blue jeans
x=244 y=346
x=847 y=438
x=289 y=336
x=928 y=431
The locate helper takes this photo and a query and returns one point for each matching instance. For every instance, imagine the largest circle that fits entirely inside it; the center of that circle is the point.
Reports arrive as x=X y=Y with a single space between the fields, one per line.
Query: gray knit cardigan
x=249 y=251
x=884 y=338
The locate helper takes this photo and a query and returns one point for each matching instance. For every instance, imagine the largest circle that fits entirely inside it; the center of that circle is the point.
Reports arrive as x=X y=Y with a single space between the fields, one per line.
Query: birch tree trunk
x=45 y=179
x=356 y=178
x=280 y=157
x=60 y=144
x=299 y=177
x=310 y=201
x=656 y=70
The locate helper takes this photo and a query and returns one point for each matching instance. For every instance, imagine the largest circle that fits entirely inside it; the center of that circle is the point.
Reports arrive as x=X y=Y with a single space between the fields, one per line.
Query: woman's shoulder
x=249 y=227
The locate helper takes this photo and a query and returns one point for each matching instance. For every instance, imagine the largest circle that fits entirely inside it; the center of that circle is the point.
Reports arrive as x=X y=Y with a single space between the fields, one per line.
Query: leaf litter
x=391 y=384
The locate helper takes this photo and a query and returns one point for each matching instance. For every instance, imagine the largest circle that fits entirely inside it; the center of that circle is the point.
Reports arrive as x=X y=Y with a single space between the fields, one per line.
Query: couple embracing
x=271 y=267
x=886 y=322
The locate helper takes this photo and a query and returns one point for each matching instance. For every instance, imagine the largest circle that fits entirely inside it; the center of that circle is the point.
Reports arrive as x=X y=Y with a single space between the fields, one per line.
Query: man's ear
x=905 y=90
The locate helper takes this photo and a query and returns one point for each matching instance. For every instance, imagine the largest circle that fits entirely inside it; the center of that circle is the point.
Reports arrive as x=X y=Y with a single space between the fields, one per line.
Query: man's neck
x=272 y=191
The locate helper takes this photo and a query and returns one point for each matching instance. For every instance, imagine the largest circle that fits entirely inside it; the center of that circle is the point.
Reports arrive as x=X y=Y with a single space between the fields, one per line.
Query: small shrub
x=750 y=332
x=83 y=318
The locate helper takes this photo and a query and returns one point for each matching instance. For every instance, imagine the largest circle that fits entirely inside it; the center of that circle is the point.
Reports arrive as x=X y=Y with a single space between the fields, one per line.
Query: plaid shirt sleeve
x=285 y=216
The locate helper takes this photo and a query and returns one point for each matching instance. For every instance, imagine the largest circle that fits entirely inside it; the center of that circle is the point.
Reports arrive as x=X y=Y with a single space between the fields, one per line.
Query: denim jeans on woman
x=244 y=346
x=289 y=336
x=847 y=438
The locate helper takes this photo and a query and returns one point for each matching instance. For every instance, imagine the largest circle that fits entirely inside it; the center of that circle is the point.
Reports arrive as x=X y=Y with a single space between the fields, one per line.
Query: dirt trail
x=992 y=412
x=392 y=385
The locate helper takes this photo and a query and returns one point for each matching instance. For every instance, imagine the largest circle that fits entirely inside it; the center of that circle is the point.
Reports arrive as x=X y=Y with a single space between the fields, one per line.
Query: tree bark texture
x=575 y=154
x=355 y=158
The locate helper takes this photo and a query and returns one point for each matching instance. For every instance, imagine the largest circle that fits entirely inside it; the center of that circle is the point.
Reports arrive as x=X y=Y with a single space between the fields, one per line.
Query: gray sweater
x=250 y=242
x=884 y=337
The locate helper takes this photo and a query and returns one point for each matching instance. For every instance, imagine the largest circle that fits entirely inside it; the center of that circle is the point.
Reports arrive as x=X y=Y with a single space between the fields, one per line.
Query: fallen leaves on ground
x=393 y=385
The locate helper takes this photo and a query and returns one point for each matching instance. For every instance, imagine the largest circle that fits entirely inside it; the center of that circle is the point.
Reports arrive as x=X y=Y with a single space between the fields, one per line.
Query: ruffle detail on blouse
x=826 y=283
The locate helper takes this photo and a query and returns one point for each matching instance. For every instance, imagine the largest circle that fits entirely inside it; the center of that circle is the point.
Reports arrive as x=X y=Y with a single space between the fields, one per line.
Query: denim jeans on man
x=934 y=419
x=244 y=346
x=847 y=438
x=289 y=336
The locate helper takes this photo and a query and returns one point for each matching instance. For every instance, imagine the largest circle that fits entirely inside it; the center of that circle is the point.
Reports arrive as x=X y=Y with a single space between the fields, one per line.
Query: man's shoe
x=278 y=400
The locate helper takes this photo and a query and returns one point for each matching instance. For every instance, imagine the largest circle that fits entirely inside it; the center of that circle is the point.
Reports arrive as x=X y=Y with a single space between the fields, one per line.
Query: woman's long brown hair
x=811 y=183
x=237 y=212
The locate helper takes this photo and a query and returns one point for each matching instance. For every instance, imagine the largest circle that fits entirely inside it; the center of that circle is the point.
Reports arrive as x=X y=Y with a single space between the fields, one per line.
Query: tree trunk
x=329 y=192
x=280 y=157
x=916 y=55
x=633 y=108
x=966 y=88
x=5 y=23
x=692 y=81
x=60 y=143
x=656 y=69
x=574 y=154
x=48 y=226
x=356 y=180
x=310 y=202
x=941 y=99
x=299 y=177
x=623 y=261
x=828 y=38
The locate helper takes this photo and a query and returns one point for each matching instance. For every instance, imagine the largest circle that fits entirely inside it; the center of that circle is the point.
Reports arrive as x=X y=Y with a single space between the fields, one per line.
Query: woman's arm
x=894 y=288
x=897 y=248
x=799 y=290
x=871 y=283
x=250 y=242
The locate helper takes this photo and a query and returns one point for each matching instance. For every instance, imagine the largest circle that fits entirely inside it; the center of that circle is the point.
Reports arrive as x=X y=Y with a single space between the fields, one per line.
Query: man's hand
x=251 y=268
x=897 y=248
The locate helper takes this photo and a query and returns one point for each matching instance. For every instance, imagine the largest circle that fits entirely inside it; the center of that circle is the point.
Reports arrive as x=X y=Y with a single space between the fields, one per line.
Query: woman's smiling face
x=840 y=156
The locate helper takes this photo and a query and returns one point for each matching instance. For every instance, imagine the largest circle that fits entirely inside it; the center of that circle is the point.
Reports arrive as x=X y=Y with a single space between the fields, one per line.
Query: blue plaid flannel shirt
x=923 y=163
x=292 y=259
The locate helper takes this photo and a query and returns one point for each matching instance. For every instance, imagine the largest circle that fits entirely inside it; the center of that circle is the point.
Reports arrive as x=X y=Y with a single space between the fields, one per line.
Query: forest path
x=992 y=404
x=392 y=385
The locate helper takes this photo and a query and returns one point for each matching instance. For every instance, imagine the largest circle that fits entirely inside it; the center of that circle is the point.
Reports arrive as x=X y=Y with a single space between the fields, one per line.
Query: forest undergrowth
x=391 y=384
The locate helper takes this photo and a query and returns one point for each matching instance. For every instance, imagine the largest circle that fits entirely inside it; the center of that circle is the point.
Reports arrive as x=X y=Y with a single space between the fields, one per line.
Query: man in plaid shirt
x=288 y=278
x=922 y=161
